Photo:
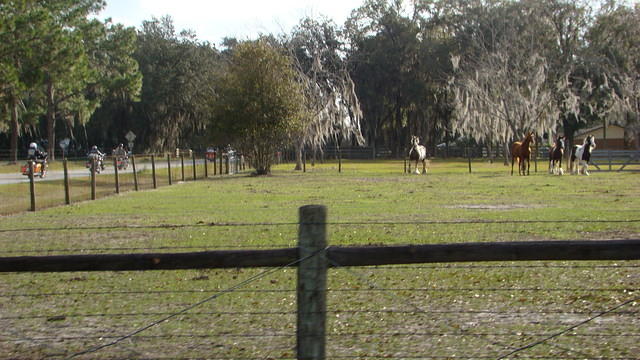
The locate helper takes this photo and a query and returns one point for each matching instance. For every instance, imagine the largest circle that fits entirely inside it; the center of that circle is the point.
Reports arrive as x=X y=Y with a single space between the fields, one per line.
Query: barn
x=614 y=137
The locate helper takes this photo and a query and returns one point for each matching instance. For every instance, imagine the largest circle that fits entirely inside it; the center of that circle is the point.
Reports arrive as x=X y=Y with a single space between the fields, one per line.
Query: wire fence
x=533 y=309
x=71 y=181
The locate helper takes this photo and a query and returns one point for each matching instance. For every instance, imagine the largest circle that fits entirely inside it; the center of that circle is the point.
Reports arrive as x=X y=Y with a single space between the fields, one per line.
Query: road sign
x=130 y=136
x=64 y=143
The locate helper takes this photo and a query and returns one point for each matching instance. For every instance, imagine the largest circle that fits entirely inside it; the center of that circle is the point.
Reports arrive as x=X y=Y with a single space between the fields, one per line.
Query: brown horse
x=522 y=151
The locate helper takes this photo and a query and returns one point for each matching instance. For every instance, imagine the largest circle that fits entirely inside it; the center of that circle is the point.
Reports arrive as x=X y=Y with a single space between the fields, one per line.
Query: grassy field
x=16 y=197
x=474 y=310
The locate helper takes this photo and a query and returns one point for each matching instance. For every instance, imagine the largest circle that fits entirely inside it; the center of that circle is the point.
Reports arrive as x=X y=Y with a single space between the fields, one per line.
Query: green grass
x=373 y=311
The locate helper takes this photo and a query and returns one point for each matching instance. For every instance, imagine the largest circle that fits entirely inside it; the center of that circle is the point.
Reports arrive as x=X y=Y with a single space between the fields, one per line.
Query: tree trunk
x=507 y=153
x=51 y=121
x=298 y=152
x=15 y=130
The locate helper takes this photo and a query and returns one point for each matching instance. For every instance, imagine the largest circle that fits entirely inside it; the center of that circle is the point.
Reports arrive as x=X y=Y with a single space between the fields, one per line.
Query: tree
x=259 y=101
x=390 y=79
x=67 y=69
x=614 y=50
x=333 y=108
x=22 y=24
x=179 y=81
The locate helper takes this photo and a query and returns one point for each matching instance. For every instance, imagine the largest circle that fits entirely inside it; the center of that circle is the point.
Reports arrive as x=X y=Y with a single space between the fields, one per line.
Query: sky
x=212 y=20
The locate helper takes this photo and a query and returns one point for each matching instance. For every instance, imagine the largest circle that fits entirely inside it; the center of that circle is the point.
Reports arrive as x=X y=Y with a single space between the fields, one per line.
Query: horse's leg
x=416 y=167
x=424 y=166
x=571 y=166
x=585 y=169
x=528 y=165
x=513 y=158
x=560 y=171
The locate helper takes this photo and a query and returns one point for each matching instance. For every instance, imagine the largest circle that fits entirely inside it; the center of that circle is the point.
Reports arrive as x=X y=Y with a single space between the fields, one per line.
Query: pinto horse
x=522 y=151
x=555 y=156
x=582 y=153
x=417 y=153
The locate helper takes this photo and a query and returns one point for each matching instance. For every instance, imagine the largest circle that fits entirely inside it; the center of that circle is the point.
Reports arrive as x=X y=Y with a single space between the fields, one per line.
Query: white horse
x=583 y=154
x=418 y=153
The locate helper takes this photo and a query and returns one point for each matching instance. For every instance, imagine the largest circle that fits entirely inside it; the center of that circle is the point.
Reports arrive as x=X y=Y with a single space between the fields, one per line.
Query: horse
x=522 y=151
x=583 y=154
x=555 y=156
x=418 y=153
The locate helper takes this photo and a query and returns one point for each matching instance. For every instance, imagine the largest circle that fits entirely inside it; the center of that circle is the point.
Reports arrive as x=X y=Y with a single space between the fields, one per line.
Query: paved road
x=17 y=177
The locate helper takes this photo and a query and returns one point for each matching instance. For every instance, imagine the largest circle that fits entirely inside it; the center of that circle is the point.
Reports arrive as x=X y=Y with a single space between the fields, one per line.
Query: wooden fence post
x=67 y=195
x=206 y=167
x=115 y=172
x=193 y=160
x=469 y=156
x=94 y=163
x=32 y=186
x=304 y=161
x=221 y=163
x=135 y=174
x=312 y=283
x=182 y=165
x=535 y=157
x=339 y=159
x=226 y=165
x=169 y=167
x=153 y=171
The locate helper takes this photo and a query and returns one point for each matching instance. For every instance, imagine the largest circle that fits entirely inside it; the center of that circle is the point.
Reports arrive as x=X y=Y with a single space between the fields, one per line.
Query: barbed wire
x=570 y=328
x=418 y=309
x=55 y=317
x=184 y=310
x=293 y=335
x=85 y=250
x=469 y=357
x=368 y=289
x=349 y=223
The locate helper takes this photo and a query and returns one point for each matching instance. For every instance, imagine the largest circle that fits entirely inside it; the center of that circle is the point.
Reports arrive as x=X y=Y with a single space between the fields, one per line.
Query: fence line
x=350 y=223
x=348 y=258
x=131 y=180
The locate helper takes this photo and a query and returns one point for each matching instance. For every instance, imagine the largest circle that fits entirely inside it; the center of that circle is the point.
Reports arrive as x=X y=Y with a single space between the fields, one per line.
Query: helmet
x=94 y=147
x=33 y=145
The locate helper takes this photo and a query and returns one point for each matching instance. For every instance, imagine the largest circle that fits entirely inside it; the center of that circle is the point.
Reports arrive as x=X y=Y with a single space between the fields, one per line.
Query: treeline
x=484 y=71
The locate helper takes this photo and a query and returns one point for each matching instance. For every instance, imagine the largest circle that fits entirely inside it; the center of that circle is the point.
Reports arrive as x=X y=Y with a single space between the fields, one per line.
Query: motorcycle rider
x=34 y=154
x=121 y=155
x=99 y=156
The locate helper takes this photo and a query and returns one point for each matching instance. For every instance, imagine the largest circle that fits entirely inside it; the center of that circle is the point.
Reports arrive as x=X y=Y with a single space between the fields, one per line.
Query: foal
x=522 y=151
x=555 y=156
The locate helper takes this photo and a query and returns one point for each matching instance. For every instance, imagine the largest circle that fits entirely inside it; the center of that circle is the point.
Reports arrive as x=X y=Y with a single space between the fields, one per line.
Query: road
x=17 y=177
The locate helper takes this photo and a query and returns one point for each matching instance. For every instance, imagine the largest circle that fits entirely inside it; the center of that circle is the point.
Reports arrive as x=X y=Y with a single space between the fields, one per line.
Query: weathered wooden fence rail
x=618 y=160
x=313 y=257
x=344 y=256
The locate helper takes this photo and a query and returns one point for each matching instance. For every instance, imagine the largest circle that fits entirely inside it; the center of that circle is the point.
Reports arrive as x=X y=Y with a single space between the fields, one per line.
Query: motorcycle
x=96 y=159
x=122 y=162
x=38 y=167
